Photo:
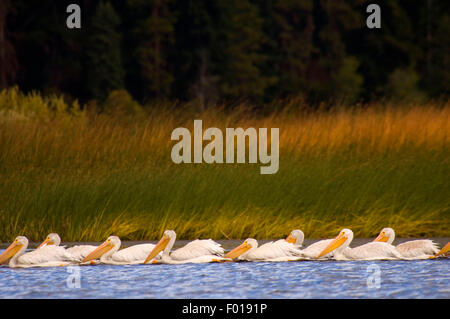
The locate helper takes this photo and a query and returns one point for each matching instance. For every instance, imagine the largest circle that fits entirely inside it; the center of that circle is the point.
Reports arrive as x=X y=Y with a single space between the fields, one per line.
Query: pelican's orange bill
x=239 y=250
x=10 y=252
x=290 y=239
x=46 y=242
x=445 y=250
x=99 y=251
x=158 y=248
x=382 y=237
x=337 y=242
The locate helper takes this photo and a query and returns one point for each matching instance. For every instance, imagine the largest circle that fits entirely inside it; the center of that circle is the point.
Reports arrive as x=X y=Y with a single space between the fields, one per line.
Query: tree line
x=212 y=51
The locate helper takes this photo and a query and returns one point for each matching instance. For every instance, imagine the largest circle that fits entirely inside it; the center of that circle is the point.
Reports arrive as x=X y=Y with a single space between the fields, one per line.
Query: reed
x=87 y=175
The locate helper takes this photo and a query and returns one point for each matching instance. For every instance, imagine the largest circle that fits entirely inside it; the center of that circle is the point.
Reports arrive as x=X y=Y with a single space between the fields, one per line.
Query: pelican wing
x=45 y=255
x=198 y=248
x=417 y=248
x=278 y=250
x=372 y=251
x=81 y=251
x=133 y=254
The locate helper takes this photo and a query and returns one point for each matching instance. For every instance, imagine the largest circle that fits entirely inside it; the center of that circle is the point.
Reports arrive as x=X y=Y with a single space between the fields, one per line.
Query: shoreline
x=231 y=243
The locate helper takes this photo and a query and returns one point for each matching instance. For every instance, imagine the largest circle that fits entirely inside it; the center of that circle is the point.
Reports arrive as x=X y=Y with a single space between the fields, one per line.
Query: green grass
x=87 y=176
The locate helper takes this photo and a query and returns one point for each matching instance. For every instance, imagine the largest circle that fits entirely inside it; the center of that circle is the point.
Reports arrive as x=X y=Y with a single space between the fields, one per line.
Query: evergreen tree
x=8 y=60
x=104 y=64
x=435 y=63
x=194 y=54
x=381 y=52
x=294 y=23
x=219 y=51
x=343 y=82
x=154 y=34
x=237 y=49
x=440 y=68
x=205 y=50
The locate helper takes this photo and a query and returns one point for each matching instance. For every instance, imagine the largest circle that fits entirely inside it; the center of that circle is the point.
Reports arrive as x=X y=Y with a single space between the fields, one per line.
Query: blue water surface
x=303 y=279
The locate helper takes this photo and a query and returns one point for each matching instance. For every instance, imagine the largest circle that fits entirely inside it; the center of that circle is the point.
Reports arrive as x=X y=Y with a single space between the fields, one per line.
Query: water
x=303 y=279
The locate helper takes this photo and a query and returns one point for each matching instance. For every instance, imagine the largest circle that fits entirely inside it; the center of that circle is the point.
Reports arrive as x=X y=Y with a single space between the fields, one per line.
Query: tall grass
x=87 y=175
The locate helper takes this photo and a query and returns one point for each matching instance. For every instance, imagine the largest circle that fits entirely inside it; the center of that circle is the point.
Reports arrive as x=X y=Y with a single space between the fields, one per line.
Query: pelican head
x=109 y=247
x=52 y=239
x=17 y=248
x=165 y=243
x=296 y=237
x=386 y=235
x=338 y=244
x=243 y=249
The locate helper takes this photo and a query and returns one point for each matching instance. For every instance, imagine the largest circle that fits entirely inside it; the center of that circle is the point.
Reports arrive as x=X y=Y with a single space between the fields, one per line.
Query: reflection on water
x=304 y=279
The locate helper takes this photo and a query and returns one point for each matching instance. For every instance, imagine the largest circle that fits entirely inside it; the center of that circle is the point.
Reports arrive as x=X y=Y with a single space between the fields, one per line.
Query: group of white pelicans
x=50 y=254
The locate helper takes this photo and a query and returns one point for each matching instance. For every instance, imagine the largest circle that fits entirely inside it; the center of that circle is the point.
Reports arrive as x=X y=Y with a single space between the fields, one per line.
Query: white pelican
x=280 y=250
x=339 y=247
x=444 y=252
x=414 y=249
x=197 y=251
x=109 y=253
x=78 y=252
x=42 y=257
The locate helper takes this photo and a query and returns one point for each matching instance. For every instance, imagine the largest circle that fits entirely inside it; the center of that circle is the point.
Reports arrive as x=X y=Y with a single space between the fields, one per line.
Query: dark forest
x=228 y=50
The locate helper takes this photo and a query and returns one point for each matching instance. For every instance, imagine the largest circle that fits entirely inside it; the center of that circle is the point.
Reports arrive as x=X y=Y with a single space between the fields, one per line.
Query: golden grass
x=88 y=175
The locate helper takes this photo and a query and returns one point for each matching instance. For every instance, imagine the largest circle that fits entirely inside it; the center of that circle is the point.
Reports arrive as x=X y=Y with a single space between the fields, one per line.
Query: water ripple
x=398 y=279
